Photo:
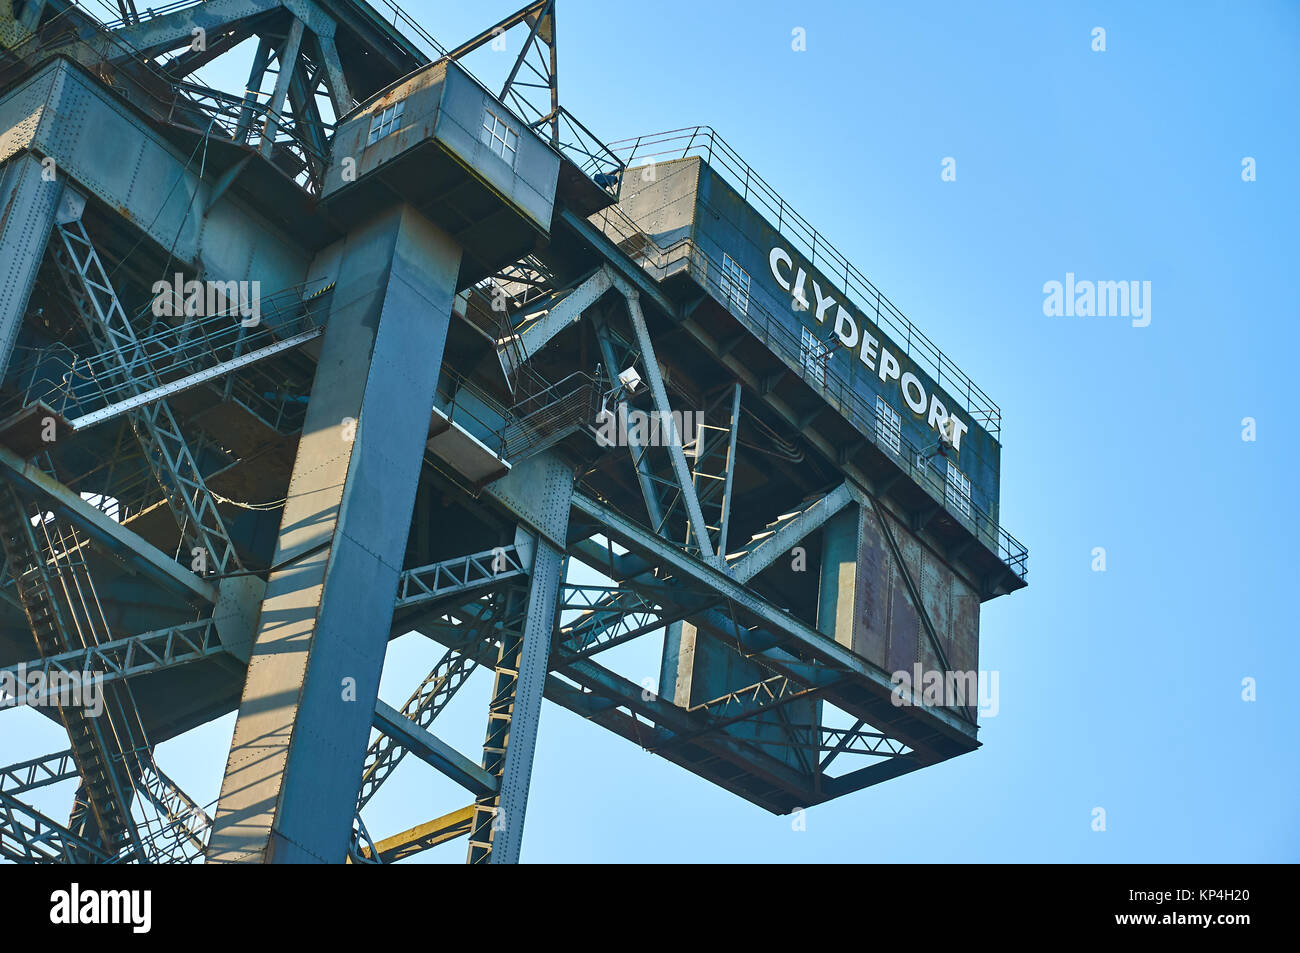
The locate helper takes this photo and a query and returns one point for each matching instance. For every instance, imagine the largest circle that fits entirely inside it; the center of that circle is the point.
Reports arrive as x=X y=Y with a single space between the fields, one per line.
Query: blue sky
x=1119 y=689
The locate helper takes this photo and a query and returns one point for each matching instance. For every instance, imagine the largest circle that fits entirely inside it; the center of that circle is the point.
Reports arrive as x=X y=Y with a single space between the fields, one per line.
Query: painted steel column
x=498 y=827
x=27 y=207
x=290 y=788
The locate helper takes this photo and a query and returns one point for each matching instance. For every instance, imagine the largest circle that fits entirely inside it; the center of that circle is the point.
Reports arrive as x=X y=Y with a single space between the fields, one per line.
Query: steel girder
x=428 y=700
x=513 y=713
x=536 y=333
x=787 y=531
x=123 y=542
x=134 y=655
x=457 y=576
x=434 y=751
x=38 y=772
x=676 y=454
x=421 y=837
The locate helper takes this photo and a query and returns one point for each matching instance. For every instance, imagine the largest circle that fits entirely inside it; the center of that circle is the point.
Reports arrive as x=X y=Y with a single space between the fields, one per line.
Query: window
x=813 y=354
x=889 y=426
x=386 y=121
x=734 y=284
x=497 y=135
x=958 y=490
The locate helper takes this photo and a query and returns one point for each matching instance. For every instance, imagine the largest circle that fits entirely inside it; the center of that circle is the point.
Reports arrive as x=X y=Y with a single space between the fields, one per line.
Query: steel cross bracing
x=111 y=754
x=160 y=434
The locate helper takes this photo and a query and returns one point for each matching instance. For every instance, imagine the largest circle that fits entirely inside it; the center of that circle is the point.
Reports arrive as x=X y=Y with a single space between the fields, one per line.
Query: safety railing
x=546 y=413
x=80 y=386
x=723 y=159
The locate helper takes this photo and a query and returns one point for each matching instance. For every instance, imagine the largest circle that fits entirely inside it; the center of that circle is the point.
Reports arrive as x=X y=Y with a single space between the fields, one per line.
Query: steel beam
x=675 y=452
x=28 y=836
x=117 y=408
x=433 y=751
x=423 y=836
x=287 y=63
x=124 y=543
x=789 y=531
x=290 y=789
x=534 y=337
x=135 y=655
x=780 y=623
x=38 y=772
x=725 y=524
x=644 y=474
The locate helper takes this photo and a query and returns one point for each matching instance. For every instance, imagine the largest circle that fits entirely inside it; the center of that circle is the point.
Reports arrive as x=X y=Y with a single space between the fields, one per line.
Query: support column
x=27 y=207
x=496 y=832
x=290 y=788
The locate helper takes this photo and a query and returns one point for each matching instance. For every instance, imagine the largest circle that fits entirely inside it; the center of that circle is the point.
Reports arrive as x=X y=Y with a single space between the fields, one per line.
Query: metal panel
x=27 y=206
x=155 y=186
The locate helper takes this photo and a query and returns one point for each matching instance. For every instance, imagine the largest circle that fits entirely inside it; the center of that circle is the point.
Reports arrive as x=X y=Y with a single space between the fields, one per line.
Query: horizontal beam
x=459 y=575
x=38 y=772
x=433 y=750
x=134 y=655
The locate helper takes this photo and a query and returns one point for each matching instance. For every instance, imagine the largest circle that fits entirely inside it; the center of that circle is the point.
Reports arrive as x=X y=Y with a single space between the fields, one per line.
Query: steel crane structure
x=490 y=348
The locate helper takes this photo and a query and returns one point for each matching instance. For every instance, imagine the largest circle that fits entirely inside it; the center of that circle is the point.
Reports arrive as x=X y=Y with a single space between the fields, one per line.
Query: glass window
x=958 y=490
x=813 y=354
x=734 y=284
x=889 y=426
x=387 y=120
x=498 y=136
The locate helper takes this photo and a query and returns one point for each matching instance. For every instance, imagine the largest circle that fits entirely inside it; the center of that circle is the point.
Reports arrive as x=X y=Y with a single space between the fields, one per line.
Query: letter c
x=779 y=254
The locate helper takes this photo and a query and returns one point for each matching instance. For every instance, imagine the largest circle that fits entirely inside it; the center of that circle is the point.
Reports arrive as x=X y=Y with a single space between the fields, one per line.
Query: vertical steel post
x=496 y=832
x=290 y=789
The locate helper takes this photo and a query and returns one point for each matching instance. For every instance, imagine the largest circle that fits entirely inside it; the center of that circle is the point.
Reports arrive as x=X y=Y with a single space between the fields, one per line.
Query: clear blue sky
x=1118 y=689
